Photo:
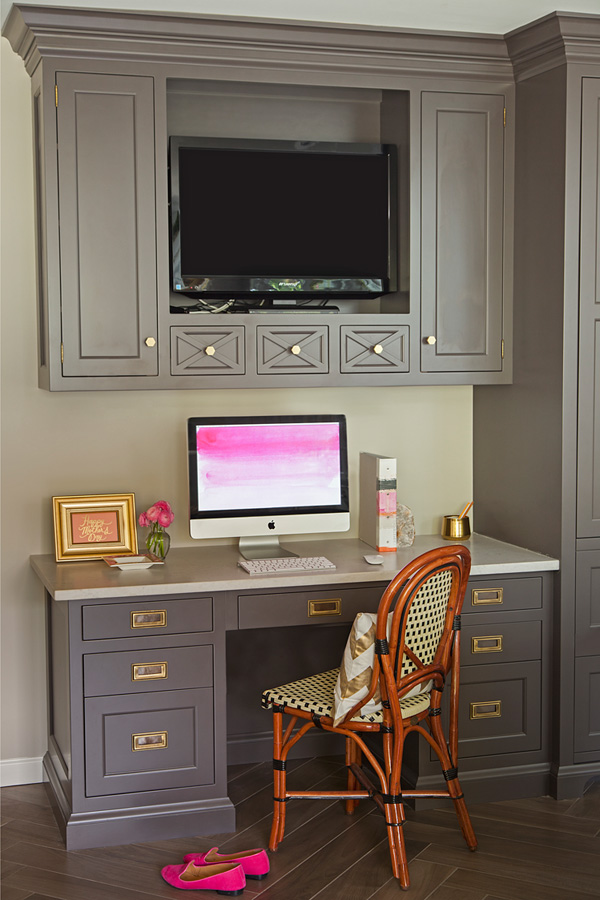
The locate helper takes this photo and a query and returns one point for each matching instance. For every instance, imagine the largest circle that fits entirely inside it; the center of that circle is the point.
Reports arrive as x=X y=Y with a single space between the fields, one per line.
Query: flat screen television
x=282 y=220
x=258 y=477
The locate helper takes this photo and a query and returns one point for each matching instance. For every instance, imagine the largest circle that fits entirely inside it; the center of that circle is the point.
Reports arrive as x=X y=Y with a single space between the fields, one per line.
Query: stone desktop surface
x=204 y=569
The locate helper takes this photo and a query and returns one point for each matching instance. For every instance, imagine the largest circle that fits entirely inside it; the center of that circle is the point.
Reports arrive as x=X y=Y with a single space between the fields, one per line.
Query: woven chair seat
x=315 y=695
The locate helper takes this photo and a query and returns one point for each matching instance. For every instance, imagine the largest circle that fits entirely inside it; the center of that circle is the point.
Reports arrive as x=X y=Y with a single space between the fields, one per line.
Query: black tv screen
x=257 y=218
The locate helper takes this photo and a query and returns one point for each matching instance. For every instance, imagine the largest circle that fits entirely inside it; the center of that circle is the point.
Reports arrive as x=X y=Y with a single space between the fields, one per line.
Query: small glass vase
x=158 y=540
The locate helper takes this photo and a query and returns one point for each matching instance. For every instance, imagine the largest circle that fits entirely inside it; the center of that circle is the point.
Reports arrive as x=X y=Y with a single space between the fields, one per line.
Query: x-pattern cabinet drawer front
x=206 y=350
x=293 y=350
x=372 y=349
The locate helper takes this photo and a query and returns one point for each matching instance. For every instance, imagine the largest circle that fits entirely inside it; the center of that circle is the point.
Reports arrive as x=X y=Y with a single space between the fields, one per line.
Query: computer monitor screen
x=257 y=477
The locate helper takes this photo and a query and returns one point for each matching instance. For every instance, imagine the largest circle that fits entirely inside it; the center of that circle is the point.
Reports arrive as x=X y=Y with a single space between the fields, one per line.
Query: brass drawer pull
x=149 y=618
x=331 y=607
x=154 y=740
x=148 y=671
x=491 y=643
x=487 y=596
x=378 y=349
x=296 y=350
x=486 y=709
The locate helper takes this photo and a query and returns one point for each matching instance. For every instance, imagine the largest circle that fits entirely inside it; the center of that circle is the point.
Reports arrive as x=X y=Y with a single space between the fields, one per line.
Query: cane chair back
x=414 y=647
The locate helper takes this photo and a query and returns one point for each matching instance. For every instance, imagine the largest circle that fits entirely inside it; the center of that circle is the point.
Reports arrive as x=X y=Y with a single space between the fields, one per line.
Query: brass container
x=455 y=528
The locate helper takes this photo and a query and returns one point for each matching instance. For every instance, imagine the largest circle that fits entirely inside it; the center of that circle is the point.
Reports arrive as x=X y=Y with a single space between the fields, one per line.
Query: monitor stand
x=266 y=547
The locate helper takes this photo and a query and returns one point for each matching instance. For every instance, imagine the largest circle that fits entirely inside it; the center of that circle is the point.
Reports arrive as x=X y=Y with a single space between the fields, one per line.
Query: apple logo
x=271 y=525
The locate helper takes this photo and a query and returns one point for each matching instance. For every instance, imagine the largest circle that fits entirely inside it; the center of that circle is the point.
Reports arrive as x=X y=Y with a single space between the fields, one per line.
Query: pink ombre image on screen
x=258 y=466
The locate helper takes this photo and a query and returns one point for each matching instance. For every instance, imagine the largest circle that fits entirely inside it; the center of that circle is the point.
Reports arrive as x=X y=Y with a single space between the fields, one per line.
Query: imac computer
x=258 y=477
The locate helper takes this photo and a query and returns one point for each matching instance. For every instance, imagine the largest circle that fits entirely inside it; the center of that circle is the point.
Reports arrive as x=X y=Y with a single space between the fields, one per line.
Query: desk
x=138 y=664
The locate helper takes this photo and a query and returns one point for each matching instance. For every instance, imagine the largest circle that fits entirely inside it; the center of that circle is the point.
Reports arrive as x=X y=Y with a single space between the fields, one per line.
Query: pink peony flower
x=160 y=512
x=152 y=513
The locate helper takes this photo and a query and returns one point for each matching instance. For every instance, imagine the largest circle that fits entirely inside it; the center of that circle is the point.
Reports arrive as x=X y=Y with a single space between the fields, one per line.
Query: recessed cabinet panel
x=141 y=742
x=372 y=349
x=107 y=224
x=207 y=351
x=462 y=232
x=588 y=494
x=293 y=350
x=587 y=605
x=499 y=709
x=587 y=707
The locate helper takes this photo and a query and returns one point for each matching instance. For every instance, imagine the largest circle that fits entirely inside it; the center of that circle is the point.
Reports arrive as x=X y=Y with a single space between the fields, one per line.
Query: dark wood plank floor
x=536 y=849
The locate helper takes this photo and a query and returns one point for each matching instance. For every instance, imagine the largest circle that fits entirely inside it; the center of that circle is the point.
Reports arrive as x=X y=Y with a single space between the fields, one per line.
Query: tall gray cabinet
x=537 y=442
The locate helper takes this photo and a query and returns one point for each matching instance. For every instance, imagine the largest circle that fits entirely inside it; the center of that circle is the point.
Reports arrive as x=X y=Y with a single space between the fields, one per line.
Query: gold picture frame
x=94 y=526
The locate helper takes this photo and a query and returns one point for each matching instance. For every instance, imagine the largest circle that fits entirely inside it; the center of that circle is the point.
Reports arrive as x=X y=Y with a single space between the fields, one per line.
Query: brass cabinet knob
x=296 y=350
x=431 y=339
x=378 y=349
x=210 y=351
x=150 y=342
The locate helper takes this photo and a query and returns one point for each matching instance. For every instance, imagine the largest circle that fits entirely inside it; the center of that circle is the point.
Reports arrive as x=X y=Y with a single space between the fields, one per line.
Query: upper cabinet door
x=588 y=481
x=107 y=224
x=462 y=157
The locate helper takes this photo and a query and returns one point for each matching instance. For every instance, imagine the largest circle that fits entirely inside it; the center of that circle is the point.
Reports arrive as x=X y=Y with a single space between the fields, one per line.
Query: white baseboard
x=21 y=771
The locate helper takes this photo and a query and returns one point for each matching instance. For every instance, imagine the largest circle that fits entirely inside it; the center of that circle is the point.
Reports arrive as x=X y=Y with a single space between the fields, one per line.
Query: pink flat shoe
x=255 y=863
x=227 y=878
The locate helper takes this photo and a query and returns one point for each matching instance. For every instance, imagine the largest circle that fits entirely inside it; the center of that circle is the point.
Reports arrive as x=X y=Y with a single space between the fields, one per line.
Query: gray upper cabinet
x=107 y=98
x=106 y=177
x=462 y=150
x=588 y=492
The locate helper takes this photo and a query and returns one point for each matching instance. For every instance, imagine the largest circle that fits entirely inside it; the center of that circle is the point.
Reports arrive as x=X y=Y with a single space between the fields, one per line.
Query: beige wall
x=97 y=442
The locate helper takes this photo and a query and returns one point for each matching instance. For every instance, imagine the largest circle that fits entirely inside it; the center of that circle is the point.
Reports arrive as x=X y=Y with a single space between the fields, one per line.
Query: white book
x=377 y=501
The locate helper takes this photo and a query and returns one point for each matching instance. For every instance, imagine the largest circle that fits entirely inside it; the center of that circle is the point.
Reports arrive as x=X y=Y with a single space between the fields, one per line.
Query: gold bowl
x=456 y=528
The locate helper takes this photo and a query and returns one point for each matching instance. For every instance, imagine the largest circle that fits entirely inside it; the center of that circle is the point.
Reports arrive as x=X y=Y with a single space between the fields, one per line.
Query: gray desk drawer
x=147 y=617
x=500 y=642
x=325 y=606
x=164 y=669
x=499 y=709
x=490 y=595
x=145 y=742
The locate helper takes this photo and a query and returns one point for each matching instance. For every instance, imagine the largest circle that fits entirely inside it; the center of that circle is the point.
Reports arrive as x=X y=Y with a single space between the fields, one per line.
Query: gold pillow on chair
x=356 y=670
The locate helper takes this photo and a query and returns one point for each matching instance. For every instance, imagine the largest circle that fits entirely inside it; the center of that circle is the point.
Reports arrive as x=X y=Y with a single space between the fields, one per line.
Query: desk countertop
x=190 y=570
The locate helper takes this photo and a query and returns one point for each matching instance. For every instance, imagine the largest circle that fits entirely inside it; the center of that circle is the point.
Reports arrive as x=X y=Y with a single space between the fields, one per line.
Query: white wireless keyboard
x=284 y=564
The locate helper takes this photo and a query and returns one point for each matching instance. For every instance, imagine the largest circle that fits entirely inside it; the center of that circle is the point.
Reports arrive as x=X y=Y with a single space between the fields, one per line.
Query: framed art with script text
x=94 y=526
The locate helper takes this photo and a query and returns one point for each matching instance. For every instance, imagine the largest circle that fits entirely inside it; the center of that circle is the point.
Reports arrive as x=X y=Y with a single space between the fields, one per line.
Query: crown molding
x=553 y=41
x=40 y=32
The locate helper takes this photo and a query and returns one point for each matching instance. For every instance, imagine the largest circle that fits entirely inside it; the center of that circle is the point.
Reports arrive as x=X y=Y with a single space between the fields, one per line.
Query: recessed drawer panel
x=500 y=594
x=145 y=742
x=291 y=350
x=500 y=642
x=373 y=349
x=499 y=709
x=263 y=610
x=206 y=350
x=147 y=617
x=165 y=669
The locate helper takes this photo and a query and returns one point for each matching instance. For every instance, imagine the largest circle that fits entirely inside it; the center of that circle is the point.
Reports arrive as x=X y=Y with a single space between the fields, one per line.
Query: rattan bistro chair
x=414 y=646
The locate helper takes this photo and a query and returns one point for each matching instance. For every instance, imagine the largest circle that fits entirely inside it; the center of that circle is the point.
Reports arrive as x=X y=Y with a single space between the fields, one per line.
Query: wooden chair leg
x=279 y=783
x=353 y=755
x=454 y=788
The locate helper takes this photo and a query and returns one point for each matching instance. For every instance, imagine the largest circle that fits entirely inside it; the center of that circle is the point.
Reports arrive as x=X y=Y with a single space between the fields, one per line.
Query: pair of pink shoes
x=213 y=871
